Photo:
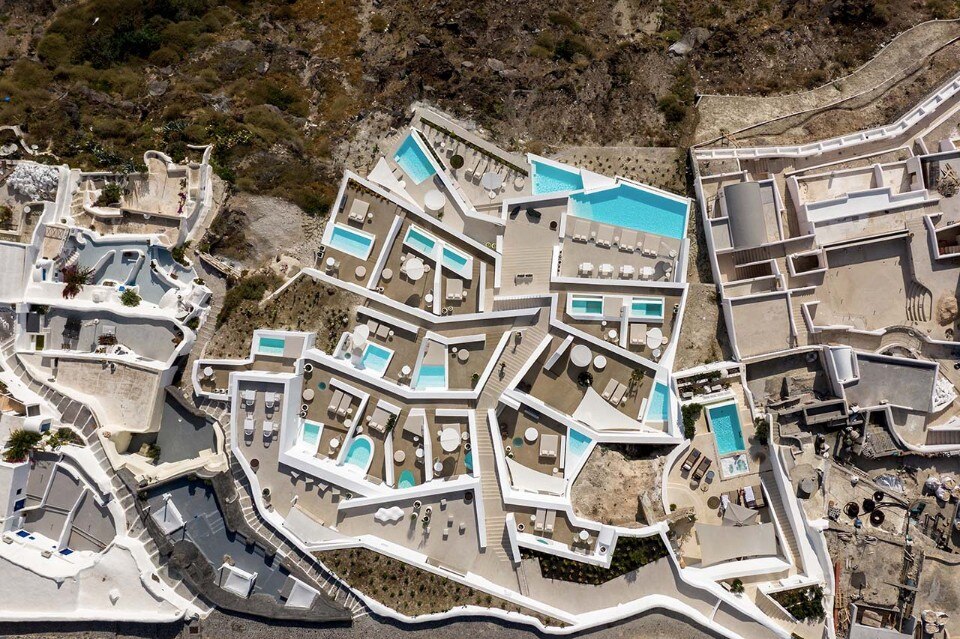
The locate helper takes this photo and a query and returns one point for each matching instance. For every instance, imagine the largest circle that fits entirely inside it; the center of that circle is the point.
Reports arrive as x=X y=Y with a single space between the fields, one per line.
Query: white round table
x=612 y=334
x=580 y=356
x=437 y=466
x=428 y=298
x=599 y=362
x=308 y=394
x=360 y=271
x=654 y=338
x=405 y=370
x=335 y=443
x=208 y=372
x=530 y=435
x=584 y=535
x=491 y=181
x=399 y=456
x=330 y=262
x=419 y=453
x=386 y=275
x=434 y=201
x=414 y=268
x=449 y=439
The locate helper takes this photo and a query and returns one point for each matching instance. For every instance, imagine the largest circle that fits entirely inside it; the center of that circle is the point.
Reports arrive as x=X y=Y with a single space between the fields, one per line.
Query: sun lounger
x=249 y=397
x=548 y=445
x=454 y=289
x=618 y=394
x=608 y=391
x=345 y=402
x=627 y=272
x=373 y=326
x=638 y=334
x=651 y=243
x=666 y=250
x=358 y=211
x=701 y=469
x=758 y=496
x=383 y=331
x=581 y=230
x=628 y=240
x=335 y=401
x=268 y=430
x=270 y=400
x=691 y=459
x=551 y=521
x=539 y=519
x=604 y=235
x=248 y=427
x=378 y=420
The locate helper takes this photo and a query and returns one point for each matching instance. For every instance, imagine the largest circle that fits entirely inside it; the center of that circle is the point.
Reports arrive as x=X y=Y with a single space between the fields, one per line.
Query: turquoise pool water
x=586 y=305
x=468 y=461
x=647 y=308
x=659 y=409
x=454 y=259
x=376 y=358
x=406 y=480
x=349 y=241
x=419 y=241
x=360 y=453
x=311 y=434
x=271 y=346
x=577 y=443
x=414 y=161
x=548 y=178
x=432 y=378
x=725 y=423
x=634 y=208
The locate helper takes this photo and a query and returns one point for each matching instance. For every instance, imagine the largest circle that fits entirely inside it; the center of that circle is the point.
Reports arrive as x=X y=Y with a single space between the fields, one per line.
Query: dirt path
x=897 y=60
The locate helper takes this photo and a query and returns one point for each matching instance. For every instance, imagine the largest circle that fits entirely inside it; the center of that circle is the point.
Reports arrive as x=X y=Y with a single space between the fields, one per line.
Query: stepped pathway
x=215 y=282
x=513 y=358
x=804 y=337
x=76 y=414
x=942 y=437
x=919 y=305
x=776 y=500
x=318 y=577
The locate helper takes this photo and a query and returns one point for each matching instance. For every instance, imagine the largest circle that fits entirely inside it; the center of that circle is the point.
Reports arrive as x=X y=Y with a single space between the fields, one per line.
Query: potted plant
x=456 y=162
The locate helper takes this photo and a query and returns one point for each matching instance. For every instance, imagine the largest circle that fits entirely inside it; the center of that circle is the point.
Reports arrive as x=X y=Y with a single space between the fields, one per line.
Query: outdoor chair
x=610 y=388
x=690 y=460
x=248 y=427
x=701 y=469
x=268 y=430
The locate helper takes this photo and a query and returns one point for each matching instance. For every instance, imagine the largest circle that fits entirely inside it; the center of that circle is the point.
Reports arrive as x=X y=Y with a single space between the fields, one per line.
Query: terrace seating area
x=262 y=411
x=597 y=250
x=533 y=440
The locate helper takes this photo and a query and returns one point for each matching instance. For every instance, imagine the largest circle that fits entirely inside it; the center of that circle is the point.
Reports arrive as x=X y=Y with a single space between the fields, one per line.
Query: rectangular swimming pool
x=271 y=345
x=634 y=208
x=724 y=421
x=585 y=305
x=549 y=178
x=375 y=359
x=433 y=377
x=420 y=241
x=457 y=261
x=659 y=409
x=648 y=308
x=356 y=243
x=414 y=161
x=310 y=436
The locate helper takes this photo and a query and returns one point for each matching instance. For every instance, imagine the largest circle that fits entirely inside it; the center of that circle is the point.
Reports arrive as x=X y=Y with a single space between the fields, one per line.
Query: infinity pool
x=725 y=424
x=549 y=178
x=375 y=359
x=356 y=243
x=634 y=208
x=414 y=161
x=432 y=377
x=457 y=261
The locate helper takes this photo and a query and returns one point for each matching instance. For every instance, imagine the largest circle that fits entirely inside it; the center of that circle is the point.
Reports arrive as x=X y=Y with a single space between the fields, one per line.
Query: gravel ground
x=220 y=625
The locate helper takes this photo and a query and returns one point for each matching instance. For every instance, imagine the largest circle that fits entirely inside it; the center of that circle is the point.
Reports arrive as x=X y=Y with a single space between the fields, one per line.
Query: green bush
x=630 y=553
x=110 y=194
x=691 y=413
x=378 y=24
x=179 y=253
x=762 y=430
x=736 y=586
x=802 y=603
x=672 y=108
x=19 y=445
x=129 y=298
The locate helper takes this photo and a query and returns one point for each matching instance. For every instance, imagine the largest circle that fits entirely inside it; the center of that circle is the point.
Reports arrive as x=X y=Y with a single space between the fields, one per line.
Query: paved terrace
x=645 y=251
x=220 y=380
x=529 y=236
x=80 y=331
x=558 y=387
x=513 y=425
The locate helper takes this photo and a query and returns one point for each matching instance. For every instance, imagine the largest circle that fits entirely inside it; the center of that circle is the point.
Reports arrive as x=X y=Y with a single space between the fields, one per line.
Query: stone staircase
x=804 y=337
x=776 y=502
x=318 y=577
x=75 y=414
x=919 y=305
x=942 y=437
x=747 y=256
